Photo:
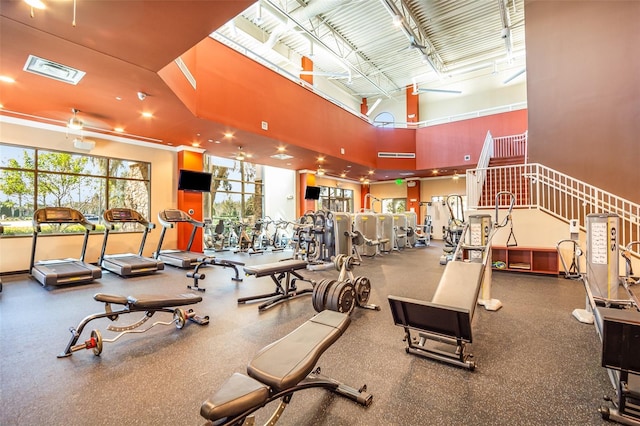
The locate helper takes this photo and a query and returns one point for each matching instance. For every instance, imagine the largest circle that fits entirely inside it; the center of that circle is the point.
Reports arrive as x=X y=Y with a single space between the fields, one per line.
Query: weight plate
x=341 y=298
x=338 y=262
x=327 y=291
x=317 y=296
x=180 y=317
x=363 y=290
x=95 y=335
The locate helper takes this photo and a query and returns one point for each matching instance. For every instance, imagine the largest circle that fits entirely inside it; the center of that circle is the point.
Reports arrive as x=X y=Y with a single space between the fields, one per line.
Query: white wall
x=15 y=251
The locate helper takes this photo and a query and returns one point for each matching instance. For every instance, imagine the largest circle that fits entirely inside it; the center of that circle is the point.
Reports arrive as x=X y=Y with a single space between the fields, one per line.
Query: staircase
x=504 y=175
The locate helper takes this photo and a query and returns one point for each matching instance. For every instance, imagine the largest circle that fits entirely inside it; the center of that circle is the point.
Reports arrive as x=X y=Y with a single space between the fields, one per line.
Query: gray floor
x=536 y=365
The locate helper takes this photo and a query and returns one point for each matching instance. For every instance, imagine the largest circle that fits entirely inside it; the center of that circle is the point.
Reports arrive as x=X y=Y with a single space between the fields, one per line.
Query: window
x=336 y=199
x=35 y=178
x=394 y=205
x=236 y=190
x=384 y=119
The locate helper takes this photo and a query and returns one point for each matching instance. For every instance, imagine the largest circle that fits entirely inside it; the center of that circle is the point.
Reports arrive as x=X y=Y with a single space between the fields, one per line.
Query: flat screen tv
x=312 y=193
x=190 y=180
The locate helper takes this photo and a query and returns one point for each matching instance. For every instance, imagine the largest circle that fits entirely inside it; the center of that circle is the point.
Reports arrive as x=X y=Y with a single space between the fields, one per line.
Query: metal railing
x=560 y=195
x=510 y=146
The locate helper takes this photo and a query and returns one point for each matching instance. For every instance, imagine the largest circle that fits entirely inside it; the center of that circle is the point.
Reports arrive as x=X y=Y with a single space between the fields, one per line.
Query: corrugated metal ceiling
x=356 y=45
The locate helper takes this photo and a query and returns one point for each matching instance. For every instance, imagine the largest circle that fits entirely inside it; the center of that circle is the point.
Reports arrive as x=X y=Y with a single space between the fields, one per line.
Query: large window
x=236 y=190
x=394 y=205
x=336 y=199
x=33 y=178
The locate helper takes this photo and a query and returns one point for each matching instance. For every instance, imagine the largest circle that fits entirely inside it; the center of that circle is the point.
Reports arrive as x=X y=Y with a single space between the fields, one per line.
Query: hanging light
x=74 y=122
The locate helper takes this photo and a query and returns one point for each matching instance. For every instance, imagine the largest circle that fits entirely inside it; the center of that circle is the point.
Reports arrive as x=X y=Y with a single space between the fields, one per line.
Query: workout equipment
x=62 y=271
x=342 y=233
x=148 y=304
x=367 y=224
x=179 y=258
x=281 y=369
x=207 y=261
x=620 y=349
x=400 y=231
x=412 y=226
x=386 y=230
x=453 y=231
x=281 y=273
x=443 y=325
x=127 y=265
x=614 y=309
x=344 y=293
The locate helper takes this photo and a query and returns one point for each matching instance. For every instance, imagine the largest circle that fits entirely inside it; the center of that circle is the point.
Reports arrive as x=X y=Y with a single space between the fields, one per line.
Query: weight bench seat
x=446 y=318
x=275 y=267
x=278 y=367
x=149 y=301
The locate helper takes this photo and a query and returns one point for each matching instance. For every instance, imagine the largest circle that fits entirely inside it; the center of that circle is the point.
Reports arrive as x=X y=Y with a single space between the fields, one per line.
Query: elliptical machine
x=453 y=230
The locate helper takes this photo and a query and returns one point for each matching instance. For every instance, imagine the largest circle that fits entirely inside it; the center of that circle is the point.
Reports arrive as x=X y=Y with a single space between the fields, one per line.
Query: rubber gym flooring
x=536 y=365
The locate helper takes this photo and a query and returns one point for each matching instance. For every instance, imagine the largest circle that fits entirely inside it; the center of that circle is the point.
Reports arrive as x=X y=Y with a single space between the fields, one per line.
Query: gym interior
x=485 y=278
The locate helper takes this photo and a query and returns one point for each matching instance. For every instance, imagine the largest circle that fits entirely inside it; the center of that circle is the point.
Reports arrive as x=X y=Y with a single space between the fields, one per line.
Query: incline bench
x=280 y=369
x=147 y=304
x=280 y=273
x=446 y=319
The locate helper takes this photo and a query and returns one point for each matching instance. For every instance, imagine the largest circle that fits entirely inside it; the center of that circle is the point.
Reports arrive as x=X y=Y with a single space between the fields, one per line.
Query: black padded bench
x=280 y=273
x=446 y=319
x=148 y=304
x=280 y=369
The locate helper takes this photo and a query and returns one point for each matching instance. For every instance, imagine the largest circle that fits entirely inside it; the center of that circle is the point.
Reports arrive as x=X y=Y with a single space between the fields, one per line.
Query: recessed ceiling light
x=281 y=149
x=228 y=135
x=343 y=175
x=6 y=79
x=371 y=172
x=196 y=144
x=118 y=129
x=38 y=4
x=217 y=142
x=118 y=98
x=320 y=159
x=282 y=156
x=147 y=114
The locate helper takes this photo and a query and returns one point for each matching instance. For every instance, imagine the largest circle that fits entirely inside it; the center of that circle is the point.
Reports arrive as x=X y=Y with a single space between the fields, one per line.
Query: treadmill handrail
x=134 y=217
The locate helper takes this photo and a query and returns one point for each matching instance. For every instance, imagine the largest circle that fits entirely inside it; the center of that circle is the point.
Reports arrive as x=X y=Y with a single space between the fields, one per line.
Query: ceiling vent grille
x=53 y=70
x=396 y=155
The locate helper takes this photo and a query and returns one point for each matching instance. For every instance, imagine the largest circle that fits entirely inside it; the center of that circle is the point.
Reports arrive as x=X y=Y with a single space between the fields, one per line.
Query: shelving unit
x=536 y=260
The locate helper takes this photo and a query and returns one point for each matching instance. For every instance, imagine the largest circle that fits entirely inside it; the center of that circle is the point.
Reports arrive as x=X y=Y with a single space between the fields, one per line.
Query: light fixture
x=456 y=176
x=6 y=79
x=74 y=122
x=36 y=4
x=320 y=172
x=397 y=20
x=142 y=96
x=374 y=106
x=147 y=114
x=320 y=159
x=118 y=129
x=240 y=156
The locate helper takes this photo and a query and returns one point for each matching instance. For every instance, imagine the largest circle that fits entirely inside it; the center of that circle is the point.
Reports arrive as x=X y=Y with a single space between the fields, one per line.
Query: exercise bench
x=446 y=319
x=279 y=370
x=148 y=304
x=281 y=273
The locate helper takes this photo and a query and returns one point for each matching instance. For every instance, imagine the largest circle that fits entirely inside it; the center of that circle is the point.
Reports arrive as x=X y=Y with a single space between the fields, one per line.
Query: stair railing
x=555 y=193
x=483 y=162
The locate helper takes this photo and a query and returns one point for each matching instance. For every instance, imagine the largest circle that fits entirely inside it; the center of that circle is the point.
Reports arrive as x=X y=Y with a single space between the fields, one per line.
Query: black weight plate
x=363 y=290
x=341 y=297
x=317 y=297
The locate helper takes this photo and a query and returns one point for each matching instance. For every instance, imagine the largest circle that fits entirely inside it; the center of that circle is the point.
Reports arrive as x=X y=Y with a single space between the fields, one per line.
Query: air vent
x=53 y=70
x=396 y=155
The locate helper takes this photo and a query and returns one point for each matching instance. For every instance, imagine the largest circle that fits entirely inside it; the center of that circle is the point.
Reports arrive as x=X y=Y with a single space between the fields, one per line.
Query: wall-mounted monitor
x=312 y=193
x=190 y=180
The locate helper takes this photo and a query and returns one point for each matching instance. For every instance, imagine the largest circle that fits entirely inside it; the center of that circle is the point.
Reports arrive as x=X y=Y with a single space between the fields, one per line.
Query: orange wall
x=445 y=145
x=190 y=201
x=395 y=140
x=236 y=91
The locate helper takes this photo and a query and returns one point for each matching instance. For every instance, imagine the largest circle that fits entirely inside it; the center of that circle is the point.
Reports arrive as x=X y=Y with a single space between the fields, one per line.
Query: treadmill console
x=120 y=215
x=175 y=216
x=58 y=215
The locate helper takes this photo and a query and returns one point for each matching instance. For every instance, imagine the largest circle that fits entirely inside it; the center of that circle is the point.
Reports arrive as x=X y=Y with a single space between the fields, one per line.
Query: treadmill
x=127 y=264
x=62 y=271
x=179 y=258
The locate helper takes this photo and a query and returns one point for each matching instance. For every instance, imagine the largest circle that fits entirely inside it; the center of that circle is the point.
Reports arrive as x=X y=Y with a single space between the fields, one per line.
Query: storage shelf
x=536 y=260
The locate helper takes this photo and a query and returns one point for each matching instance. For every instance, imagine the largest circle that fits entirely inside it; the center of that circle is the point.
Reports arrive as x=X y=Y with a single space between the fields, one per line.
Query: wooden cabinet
x=537 y=260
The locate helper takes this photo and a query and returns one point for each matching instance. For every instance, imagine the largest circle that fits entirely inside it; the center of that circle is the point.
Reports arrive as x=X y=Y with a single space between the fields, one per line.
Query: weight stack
x=602 y=255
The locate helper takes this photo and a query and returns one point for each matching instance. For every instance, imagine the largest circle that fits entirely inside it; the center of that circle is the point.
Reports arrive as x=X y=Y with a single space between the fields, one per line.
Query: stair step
x=506 y=161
